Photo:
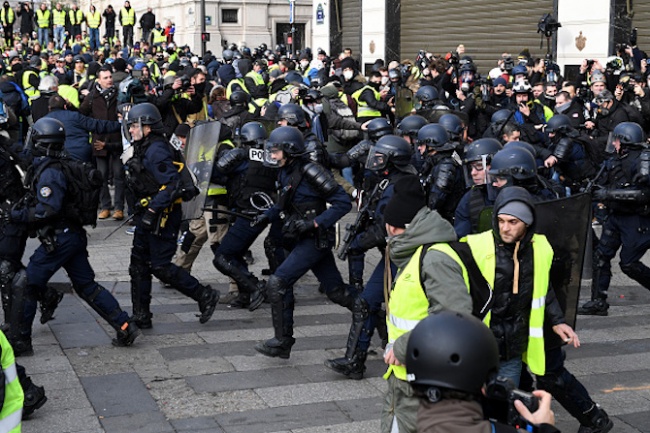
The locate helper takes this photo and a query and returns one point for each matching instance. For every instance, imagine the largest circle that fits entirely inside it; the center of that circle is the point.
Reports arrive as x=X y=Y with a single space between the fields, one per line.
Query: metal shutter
x=487 y=29
x=351 y=26
x=640 y=21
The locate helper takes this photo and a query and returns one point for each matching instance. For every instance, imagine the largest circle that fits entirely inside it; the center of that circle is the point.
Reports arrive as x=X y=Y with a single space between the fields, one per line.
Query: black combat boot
x=22 y=347
x=34 y=396
x=142 y=317
x=258 y=296
x=276 y=347
x=126 y=335
x=600 y=422
x=280 y=345
x=353 y=364
x=50 y=300
x=596 y=307
x=207 y=303
x=243 y=300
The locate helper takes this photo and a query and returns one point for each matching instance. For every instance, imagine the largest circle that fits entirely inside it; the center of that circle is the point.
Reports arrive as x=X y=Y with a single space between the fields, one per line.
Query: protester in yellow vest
x=75 y=18
x=410 y=224
x=94 y=20
x=369 y=99
x=127 y=20
x=12 y=408
x=7 y=19
x=58 y=20
x=43 y=22
x=159 y=36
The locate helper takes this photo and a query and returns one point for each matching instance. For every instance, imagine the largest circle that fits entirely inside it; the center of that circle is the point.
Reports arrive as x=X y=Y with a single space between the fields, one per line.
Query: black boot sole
x=211 y=306
x=27 y=412
x=273 y=352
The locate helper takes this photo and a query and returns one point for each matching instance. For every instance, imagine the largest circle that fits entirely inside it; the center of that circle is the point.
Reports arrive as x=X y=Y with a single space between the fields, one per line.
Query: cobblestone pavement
x=182 y=376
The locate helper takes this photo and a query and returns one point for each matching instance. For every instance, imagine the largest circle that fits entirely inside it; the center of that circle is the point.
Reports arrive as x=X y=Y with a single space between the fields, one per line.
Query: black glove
x=304 y=226
x=5 y=216
x=261 y=220
x=641 y=179
x=600 y=194
x=149 y=219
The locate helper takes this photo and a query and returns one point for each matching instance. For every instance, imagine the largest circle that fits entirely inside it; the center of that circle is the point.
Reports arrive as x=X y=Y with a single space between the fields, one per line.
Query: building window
x=229 y=16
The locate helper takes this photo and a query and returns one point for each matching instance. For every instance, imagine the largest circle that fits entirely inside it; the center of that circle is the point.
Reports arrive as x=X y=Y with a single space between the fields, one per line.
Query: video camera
x=501 y=389
x=548 y=25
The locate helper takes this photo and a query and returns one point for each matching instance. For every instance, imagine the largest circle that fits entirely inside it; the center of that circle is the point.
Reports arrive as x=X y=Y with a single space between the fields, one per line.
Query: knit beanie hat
x=518 y=209
x=407 y=200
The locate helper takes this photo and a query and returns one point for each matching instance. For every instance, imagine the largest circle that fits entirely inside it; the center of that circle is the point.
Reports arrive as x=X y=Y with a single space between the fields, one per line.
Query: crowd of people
x=290 y=141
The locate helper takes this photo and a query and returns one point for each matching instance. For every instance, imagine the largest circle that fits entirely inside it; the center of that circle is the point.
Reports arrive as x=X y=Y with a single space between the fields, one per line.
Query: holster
x=47 y=237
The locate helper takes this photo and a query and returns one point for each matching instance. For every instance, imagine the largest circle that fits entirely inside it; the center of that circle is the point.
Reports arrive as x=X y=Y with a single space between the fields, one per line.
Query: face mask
x=317 y=108
x=562 y=108
x=304 y=64
x=348 y=75
x=374 y=85
x=384 y=81
x=199 y=88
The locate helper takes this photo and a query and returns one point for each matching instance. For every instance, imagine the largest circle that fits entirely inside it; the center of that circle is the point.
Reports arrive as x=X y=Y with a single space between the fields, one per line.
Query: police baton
x=125 y=222
x=229 y=212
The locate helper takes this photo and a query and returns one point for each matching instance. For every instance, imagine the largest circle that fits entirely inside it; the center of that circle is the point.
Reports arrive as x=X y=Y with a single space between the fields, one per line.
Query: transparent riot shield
x=200 y=151
x=403 y=102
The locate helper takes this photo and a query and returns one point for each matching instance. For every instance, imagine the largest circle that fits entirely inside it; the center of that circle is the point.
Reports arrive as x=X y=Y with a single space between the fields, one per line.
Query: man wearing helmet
x=308 y=233
x=623 y=195
x=389 y=161
x=155 y=183
x=530 y=115
x=63 y=239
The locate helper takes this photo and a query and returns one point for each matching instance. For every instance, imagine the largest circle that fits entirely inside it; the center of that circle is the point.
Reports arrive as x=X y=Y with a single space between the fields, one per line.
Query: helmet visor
x=272 y=153
x=613 y=143
x=376 y=161
x=476 y=172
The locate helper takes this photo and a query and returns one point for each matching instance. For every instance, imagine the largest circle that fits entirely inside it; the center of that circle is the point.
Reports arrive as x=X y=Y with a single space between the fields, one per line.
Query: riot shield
x=200 y=151
x=403 y=102
x=566 y=223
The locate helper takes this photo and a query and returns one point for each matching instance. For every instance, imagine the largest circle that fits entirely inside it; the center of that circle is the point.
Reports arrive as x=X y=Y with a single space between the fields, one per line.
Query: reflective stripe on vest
x=128 y=17
x=7 y=19
x=58 y=17
x=31 y=91
x=408 y=303
x=363 y=110
x=93 y=20
x=43 y=18
x=159 y=36
x=484 y=252
x=76 y=17
x=12 y=409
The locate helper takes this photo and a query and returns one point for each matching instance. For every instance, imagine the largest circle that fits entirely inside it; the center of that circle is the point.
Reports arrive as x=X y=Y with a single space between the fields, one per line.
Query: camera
x=185 y=82
x=508 y=64
x=590 y=63
x=502 y=389
x=454 y=60
x=302 y=92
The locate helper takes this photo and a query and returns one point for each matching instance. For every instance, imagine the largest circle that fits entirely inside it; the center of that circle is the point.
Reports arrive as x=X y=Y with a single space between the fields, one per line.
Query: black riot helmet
x=514 y=163
x=313 y=95
x=453 y=125
x=411 y=125
x=46 y=137
x=560 y=123
x=501 y=116
x=287 y=139
x=253 y=134
x=378 y=127
x=144 y=113
x=629 y=134
x=389 y=149
x=435 y=137
x=228 y=55
x=522 y=145
x=451 y=351
x=239 y=98
x=293 y=114
x=482 y=148
x=426 y=96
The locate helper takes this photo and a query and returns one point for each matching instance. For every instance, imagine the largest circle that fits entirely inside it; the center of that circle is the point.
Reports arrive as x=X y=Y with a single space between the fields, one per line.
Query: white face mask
x=348 y=75
x=317 y=108
x=304 y=64
x=384 y=81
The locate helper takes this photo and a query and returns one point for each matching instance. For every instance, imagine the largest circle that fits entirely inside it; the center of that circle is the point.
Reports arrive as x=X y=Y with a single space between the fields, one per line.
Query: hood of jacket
x=507 y=195
x=426 y=227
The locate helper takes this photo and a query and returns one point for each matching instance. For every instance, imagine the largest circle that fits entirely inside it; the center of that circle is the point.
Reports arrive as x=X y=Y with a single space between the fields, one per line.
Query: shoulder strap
x=479 y=288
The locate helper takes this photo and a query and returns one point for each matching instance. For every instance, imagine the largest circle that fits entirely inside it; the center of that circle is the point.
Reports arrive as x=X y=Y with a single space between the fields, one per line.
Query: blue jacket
x=159 y=161
x=49 y=193
x=77 y=129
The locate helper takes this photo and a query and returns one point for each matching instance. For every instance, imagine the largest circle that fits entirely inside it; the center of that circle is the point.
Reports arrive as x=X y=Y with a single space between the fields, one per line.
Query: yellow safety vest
x=76 y=17
x=7 y=19
x=215 y=189
x=128 y=17
x=58 y=16
x=259 y=81
x=408 y=303
x=236 y=81
x=363 y=110
x=483 y=251
x=70 y=94
x=201 y=115
x=12 y=409
x=94 y=20
x=43 y=18
x=158 y=36
x=31 y=91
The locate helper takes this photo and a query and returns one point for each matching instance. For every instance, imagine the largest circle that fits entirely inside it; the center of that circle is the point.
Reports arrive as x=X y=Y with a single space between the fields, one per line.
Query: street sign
x=320 y=14
x=292 y=11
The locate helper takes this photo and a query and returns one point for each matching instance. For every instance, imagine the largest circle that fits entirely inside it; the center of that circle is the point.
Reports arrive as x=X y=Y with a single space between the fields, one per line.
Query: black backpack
x=84 y=185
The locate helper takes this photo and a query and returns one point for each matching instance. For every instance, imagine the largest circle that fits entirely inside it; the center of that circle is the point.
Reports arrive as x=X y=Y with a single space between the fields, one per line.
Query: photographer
x=450 y=358
x=177 y=100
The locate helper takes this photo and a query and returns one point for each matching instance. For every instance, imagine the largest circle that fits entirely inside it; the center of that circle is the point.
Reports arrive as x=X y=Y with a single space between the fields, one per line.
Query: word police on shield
x=256 y=155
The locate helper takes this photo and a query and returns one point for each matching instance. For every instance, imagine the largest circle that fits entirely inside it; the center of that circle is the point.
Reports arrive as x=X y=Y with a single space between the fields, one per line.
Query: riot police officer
x=428 y=104
x=308 y=224
x=441 y=173
x=408 y=128
x=477 y=162
x=625 y=194
x=389 y=160
x=63 y=239
x=251 y=187
x=239 y=113
x=158 y=190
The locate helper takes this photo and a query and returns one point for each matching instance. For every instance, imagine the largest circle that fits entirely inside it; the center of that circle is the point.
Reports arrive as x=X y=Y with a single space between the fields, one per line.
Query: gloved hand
x=142 y=204
x=304 y=226
x=5 y=216
x=261 y=220
x=149 y=219
x=641 y=179
x=600 y=194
